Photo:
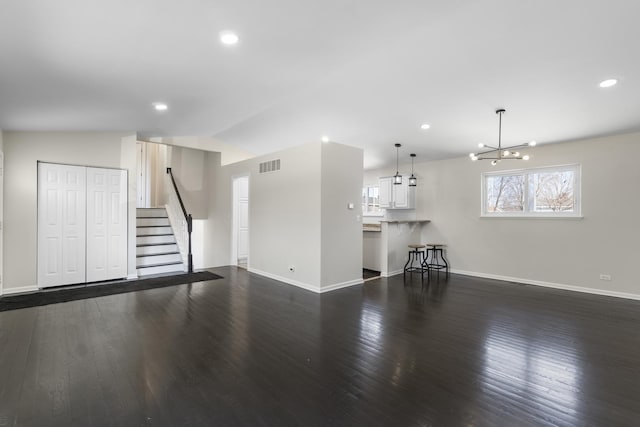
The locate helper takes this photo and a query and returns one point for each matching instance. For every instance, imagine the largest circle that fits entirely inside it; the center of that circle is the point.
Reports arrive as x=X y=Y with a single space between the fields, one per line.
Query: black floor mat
x=54 y=296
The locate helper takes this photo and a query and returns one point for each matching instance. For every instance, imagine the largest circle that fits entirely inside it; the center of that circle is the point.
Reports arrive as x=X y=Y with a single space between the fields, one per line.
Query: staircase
x=156 y=248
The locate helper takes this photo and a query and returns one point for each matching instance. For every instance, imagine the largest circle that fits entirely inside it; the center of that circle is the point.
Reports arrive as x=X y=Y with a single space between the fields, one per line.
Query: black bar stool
x=431 y=261
x=416 y=255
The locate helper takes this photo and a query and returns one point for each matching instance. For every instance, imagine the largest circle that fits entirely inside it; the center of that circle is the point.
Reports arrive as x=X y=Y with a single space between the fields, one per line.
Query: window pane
x=552 y=191
x=505 y=193
x=371 y=200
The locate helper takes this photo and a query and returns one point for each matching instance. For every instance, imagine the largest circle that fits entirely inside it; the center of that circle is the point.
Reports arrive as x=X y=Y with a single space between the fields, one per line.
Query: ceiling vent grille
x=270 y=166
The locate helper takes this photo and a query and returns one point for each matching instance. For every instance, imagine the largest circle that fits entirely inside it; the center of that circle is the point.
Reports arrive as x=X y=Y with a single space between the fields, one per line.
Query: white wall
x=286 y=216
x=341 y=227
x=569 y=253
x=22 y=152
x=229 y=153
x=1 y=209
x=188 y=168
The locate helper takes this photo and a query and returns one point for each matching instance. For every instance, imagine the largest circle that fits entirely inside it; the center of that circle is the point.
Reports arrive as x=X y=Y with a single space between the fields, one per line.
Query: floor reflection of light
x=370 y=325
x=532 y=370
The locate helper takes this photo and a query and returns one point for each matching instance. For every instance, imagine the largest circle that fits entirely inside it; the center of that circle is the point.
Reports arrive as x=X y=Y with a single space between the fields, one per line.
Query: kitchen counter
x=385 y=245
x=372 y=227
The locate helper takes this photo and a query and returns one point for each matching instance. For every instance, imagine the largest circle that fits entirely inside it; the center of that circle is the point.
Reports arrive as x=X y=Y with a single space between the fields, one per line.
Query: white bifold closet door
x=82 y=224
x=106 y=224
x=61 y=224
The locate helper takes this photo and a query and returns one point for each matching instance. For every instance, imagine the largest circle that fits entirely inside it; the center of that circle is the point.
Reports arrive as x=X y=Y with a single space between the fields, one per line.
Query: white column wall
x=341 y=226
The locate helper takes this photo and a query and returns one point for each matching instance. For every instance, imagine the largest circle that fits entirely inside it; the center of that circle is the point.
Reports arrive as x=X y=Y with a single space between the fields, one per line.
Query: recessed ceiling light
x=325 y=138
x=160 y=106
x=425 y=126
x=608 y=83
x=229 y=38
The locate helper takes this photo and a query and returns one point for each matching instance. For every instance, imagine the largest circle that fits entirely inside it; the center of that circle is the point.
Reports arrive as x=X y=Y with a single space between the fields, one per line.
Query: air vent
x=270 y=166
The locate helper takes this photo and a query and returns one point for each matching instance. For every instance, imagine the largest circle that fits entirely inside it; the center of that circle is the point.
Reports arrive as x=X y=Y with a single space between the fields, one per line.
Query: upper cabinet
x=399 y=196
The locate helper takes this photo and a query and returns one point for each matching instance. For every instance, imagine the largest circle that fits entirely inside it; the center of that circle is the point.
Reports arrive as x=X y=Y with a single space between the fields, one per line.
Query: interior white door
x=243 y=218
x=141 y=200
x=61 y=224
x=106 y=224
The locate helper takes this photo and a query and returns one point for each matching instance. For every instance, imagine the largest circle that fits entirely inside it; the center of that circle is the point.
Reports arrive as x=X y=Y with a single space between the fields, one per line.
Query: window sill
x=375 y=215
x=563 y=217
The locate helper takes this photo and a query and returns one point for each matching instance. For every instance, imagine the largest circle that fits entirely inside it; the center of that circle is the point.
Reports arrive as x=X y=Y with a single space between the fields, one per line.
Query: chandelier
x=495 y=154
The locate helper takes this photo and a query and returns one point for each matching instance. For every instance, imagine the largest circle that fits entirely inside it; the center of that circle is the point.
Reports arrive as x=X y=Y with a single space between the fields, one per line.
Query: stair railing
x=183 y=224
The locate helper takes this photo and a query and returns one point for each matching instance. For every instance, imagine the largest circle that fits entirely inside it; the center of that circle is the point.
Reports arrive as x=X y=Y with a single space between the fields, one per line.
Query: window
x=543 y=192
x=371 y=200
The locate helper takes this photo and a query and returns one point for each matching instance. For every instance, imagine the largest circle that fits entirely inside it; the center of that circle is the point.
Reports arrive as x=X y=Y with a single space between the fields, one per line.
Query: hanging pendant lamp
x=495 y=154
x=413 y=181
x=397 y=178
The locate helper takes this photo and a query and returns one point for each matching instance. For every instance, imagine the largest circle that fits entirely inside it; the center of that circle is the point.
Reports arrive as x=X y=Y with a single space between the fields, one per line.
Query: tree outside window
x=532 y=192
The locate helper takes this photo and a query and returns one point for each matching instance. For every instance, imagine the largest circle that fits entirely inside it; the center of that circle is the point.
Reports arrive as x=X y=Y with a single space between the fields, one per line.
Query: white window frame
x=577 y=196
x=365 y=212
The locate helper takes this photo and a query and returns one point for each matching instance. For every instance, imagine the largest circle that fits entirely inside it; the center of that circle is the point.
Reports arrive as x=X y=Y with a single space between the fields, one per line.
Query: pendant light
x=495 y=154
x=397 y=178
x=413 y=181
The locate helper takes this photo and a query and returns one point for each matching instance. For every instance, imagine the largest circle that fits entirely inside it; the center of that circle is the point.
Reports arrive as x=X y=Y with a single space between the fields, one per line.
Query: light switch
x=350 y=206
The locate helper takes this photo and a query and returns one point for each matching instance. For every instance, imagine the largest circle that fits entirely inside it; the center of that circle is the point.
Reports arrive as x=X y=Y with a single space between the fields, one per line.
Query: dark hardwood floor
x=245 y=350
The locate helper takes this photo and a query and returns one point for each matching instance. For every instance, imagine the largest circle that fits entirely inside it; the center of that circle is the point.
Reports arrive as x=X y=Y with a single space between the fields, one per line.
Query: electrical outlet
x=606 y=277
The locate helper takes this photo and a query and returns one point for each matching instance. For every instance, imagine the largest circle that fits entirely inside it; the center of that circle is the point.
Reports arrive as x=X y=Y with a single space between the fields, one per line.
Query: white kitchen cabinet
x=386 y=192
x=394 y=196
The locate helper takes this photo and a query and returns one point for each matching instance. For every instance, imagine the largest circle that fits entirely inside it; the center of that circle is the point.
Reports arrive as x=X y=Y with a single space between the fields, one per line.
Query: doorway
x=240 y=222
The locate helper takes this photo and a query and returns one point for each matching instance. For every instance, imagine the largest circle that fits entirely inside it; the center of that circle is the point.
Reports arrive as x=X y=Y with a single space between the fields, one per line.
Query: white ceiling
x=365 y=72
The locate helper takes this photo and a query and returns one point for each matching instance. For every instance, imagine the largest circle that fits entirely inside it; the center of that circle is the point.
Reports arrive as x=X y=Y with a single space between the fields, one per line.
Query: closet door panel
x=106 y=224
x=96 y=225
x=61 y=224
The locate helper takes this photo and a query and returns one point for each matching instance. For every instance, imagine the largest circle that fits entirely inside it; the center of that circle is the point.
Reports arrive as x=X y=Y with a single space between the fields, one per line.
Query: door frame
x=234 y=216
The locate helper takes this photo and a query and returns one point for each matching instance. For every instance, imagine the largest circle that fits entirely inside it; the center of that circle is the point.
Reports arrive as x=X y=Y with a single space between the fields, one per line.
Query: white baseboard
x=562 y=286
x=132 y=276
x=307 y=286
x=346 y=284
x=20 y=290
x=392 y=273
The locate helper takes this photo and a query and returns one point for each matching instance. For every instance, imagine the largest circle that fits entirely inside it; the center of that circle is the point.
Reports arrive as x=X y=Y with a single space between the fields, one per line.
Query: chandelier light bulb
x=499 y=152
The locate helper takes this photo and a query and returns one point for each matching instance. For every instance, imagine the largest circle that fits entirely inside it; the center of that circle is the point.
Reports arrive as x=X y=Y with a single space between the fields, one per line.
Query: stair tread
x=162 y=264
x=152 y=235
x=153 y=217
x=151 y=226
x=158 y=254
x=155 y=244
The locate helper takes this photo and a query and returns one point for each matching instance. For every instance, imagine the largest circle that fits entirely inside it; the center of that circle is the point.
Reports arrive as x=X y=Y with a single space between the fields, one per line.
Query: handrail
x=187 y=217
